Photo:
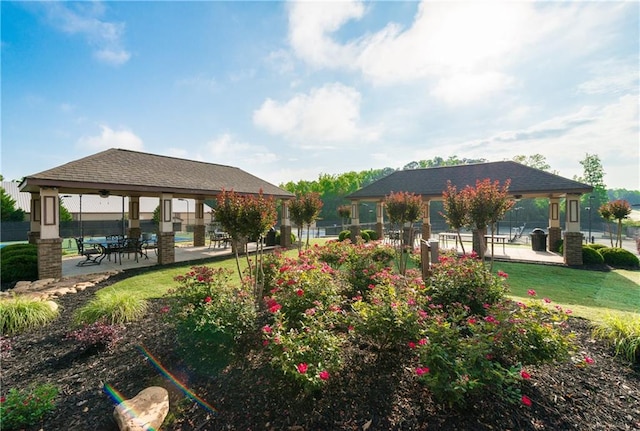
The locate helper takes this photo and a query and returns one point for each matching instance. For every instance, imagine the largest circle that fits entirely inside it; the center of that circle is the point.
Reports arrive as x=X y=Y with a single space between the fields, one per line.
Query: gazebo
x=526 y=182
x=135 y=174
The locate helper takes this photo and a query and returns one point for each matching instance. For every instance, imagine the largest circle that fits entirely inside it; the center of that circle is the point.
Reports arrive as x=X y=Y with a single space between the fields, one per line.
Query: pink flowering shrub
x=97 y=334
x=211 y=315
x=465 y=281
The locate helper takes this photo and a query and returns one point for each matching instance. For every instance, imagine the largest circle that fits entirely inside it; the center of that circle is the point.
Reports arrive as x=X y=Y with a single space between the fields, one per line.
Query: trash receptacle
x=538 y=240
x=270 y=239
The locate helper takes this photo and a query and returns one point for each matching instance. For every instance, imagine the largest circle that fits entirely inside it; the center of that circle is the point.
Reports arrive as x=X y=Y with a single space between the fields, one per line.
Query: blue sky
x=287 y=91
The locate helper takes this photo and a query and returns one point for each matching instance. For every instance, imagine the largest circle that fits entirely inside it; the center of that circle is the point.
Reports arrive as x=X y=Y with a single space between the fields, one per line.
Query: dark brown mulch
x=372 y=393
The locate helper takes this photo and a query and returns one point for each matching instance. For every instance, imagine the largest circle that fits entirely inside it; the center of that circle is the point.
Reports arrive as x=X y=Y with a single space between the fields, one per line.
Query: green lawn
x=589 y=294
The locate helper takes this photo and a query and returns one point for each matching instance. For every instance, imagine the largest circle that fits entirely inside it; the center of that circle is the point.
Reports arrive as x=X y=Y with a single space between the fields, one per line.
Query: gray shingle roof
x=131 y=172
x=431 y=182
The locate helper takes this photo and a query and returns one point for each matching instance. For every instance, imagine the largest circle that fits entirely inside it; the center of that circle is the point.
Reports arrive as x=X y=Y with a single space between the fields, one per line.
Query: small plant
x=20 y=313
x=21 y=409
x=623 y=335
x=97 y=334
x=112 y=307
x=19 y=262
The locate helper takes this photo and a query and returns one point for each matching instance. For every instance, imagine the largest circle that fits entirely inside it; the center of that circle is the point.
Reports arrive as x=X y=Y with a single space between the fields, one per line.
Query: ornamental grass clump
x=623 y=334
x=112 y=308
x=19 y=313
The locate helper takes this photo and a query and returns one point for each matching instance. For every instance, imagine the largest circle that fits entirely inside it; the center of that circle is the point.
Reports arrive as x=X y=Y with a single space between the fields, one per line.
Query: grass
x=589 y=294
x=623 y=334
x=20 y=313
x=112 y=307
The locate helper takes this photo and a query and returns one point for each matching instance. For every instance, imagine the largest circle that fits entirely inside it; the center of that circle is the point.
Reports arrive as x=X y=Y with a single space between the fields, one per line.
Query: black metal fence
x=18 y=231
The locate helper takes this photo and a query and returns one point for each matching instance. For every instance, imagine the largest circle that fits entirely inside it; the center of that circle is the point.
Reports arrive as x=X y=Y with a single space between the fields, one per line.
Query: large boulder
x=145 y=411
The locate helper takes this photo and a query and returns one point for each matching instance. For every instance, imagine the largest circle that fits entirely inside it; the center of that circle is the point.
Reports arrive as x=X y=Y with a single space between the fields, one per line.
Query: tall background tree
x=455 y=210
x=8 y=209
x=403 y=209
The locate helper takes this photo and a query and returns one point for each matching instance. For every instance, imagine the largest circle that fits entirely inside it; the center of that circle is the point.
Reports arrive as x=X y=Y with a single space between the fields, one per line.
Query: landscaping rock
x=146 y=410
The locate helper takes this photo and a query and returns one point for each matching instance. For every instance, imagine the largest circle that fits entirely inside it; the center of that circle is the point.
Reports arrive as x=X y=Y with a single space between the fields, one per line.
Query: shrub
x=97 y=334
x=21 y=409
x=465 y=281
x=590 y=256
x=19 y=265
x=364 y=235
x=560 y=244
x=211 y=315
x=20 y=313
x=623 y=334
x=345 y=234
x=619 y=258
x=112 y=308
x=278 y=236
x=373 y=235
x=596 y=246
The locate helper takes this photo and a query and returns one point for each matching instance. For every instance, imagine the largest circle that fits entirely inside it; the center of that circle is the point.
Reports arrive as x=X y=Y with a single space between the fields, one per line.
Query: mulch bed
x=373 y=393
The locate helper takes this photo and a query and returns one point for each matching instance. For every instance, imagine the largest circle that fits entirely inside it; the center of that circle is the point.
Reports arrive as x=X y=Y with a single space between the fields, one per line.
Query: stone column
x=134 y=230
x=166 y=236
x=355 y=221
x=426 y=219
x=555 y=233
x=285 y=225
x=572 y=246
x=199 y=234
x=34 y=232
x=49 y=244
x=380 y=219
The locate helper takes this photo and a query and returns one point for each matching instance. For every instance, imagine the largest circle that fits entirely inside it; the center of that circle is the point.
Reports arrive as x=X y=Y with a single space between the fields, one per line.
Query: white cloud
x=466 y=48
x=110 y=138
x=613 y=76
x=310 y=26
x=329 y=114
x=227 y=150
x=105 y=37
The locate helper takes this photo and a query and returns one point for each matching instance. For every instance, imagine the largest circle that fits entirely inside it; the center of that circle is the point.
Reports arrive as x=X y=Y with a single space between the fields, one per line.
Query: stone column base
x=380 y=230
x=555 y=235
x=285 y=236
x=166 y=248
x=134 y=232
x=49 y=258
x=572 y=248
x=355 y=233
x=33 y=237
x=199 y=237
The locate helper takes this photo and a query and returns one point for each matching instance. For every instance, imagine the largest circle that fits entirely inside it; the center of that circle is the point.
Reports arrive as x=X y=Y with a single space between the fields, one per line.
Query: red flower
x=265 y=343
x=547 y=300
x=422 y=341
x=503 y=274
x=207 y=299
x=266 y=329
x=302 y=367
x=324 y=375
x=299 y=292
x=3 y=399
x=531 y=292
x=412 y=345
x=275 y=308
x=588 y=360
x=471 y=321
x=526 y=401
x=422 y=370
x=165 y=309
x=525 y=375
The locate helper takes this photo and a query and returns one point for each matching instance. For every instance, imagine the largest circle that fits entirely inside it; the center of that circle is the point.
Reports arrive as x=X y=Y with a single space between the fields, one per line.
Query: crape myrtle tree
x=456 y=210
x=605 y=213
x=304 y=210
x=487 y=204
x=244 y=217
x=403 y=208
x=616 y=210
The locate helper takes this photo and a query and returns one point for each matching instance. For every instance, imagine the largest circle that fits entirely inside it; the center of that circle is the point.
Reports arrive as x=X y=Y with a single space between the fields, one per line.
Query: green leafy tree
x=593 y=174
x=537 y=161
x=403 y=208
x=605 y=213
x=9 y=212
x=65 y=215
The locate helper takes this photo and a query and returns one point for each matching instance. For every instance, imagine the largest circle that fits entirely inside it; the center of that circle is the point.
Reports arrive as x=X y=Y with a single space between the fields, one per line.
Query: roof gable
x=431 y=182
x=130 y=172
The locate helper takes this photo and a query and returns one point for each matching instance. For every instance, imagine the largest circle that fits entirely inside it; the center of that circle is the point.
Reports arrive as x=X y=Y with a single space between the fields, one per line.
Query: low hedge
x=19 y=262
x=590 y=256
x=619 y=258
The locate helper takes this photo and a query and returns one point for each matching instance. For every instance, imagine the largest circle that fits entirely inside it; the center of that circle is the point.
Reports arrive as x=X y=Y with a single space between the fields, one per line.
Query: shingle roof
x=130 y=172
x=431 y=182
